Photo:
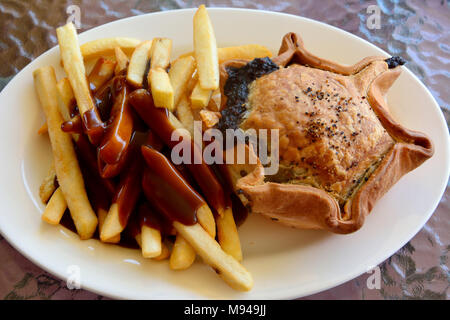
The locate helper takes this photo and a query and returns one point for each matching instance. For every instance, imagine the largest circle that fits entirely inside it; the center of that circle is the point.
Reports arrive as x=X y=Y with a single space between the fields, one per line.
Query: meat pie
x=339 y=148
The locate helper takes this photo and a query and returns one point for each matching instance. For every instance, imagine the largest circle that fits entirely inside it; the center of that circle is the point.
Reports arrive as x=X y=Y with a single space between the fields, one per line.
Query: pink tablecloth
x=415 y=29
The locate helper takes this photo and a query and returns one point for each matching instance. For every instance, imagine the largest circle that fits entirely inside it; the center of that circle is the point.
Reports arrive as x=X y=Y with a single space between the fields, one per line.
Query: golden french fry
x=165 y=253
x=246 y=52
x=48 y=185
x=66 y=101
x=209 y=118
x=55 y=208
x=111 y=226
x=206 y=220
x=205 y=50
x=118 y=214
x=106 y=46
x=101 y=73
x=138 y=63
x=66 y=98
x=101 y=214
x=228 y=268
x=180 y=73
x=122 y=60
x=191 y=83
x=74 y=67
x=150 y=242
x=182 y=256
x=200 y=97
x=227 y=234
x=185 y=115
x=138 y=239
x=162 y=90
x=43 y=129
x=67 y=169
x=160 y=53
x=89 y=65
x=215 y=101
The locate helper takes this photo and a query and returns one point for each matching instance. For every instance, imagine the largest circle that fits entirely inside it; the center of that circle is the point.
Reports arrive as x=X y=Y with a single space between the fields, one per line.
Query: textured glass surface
x=417 y=30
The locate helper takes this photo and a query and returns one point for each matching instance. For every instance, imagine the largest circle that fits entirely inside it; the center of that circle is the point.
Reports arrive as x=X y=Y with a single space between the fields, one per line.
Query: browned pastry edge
x=307 y=207
x=292 y=50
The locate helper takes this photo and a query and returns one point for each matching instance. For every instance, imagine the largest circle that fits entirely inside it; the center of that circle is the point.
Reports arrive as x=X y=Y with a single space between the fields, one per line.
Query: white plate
x=285 y=263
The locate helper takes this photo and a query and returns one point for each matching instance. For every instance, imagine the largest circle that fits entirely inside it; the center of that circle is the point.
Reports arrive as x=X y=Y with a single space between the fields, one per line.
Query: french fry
x=150 y=242
x=228 y=268
x=179 y=74
x=142 y=102
x=102 y=72
x=215 y=100
x=209 y=118
x=43 y=129
x=161 y=87
x=55 y=208
x=157 y=168
x=89 y=65
x=191 y=83
x=117 y=138
x=204 y=214
x=48 y=185
x=66 y=101
x=245 y=52
x=111 y=226
x=138 y=63
x=165 y=253
x=227 y=234
x=182 y=256
x=206 y=220
x=158 y=79
x=160 y=53
x=74 y=67
x=66 y=164
x=205 y=50
x=66 y=98
x=101 y=214
x=122 y=60
x=185 y=115
x=195 y=202
x=90 y=62
x=200 y=97
x=129 y=189
x=138 y=239
x=105 y=47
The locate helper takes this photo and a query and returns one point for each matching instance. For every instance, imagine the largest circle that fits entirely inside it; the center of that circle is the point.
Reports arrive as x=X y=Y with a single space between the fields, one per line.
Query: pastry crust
x=308 y=207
